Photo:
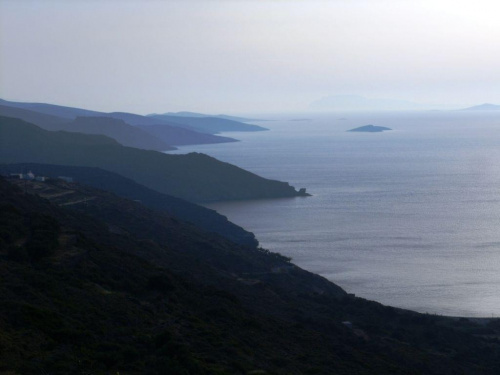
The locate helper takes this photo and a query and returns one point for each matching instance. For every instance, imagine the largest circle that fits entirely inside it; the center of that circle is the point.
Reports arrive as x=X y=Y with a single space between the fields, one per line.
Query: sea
x=408 y=217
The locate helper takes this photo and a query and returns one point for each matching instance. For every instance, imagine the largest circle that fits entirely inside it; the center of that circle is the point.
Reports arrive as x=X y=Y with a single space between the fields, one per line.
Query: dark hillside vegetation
x=116 y=288
x=200 y=216
x=194 y=177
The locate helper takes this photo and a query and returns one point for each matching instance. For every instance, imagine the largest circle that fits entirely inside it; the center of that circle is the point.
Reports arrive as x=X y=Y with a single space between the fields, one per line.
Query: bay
x=408 y=217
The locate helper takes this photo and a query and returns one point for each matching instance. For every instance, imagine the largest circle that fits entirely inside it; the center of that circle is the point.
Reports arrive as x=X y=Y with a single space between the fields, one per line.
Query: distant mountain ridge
x=181 y=136
x=127 y=132
x=211 y=125
x=483 y=107
x=124 y=133
x=52 y=109
x=117 y=129
x=48 y=122
x=131 y=118
x=196 y=114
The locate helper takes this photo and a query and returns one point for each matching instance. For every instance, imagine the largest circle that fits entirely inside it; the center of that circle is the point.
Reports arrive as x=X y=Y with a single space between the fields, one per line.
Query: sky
x=247 y=56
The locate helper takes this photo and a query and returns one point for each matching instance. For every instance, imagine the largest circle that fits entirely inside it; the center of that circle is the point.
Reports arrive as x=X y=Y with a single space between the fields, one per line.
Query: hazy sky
x=245 y=56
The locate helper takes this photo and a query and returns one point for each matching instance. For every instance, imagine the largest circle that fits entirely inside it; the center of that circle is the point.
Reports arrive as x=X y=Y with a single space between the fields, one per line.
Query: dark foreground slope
x=200 y=216
x=106 y=286
x=194 y=177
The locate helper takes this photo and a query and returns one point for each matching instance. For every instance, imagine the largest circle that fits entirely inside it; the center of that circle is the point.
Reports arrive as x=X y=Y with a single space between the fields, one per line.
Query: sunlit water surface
x=409 y=218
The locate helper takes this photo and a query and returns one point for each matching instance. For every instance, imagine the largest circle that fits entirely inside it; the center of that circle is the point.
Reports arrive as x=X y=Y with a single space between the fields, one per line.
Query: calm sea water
x=409 y=218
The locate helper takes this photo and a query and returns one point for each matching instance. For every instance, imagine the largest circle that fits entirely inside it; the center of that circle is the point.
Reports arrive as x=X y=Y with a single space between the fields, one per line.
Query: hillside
x=200 y=216
x=115 y=125
x=52 y=109
x=196 y=114
x=42 y=120
x=194 y=177
x=211 y=125
x=181 y=136
x=166 y=132
x=105 y=286
x=120 y=131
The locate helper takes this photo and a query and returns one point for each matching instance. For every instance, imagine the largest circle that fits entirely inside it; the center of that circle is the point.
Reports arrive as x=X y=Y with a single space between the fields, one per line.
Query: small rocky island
x=370 y=129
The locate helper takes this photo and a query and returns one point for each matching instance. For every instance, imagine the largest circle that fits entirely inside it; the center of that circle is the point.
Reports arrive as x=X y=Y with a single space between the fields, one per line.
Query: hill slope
x=211 y=125
x=194 y=177
x=124 y=133
x=200 y=216
x=196 y=114
x=117 y=129
x=50 y=116
x=52 y=109
x=114 y=125
x=108 y=287
x=42 y=120
x=181 y=136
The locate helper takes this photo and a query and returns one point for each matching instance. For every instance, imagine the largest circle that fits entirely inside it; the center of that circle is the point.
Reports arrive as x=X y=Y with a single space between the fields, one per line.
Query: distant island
x=483 y=107
x=370 y=129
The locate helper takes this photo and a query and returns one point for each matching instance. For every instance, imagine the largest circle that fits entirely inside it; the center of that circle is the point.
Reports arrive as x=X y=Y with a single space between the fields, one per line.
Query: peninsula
x=194 y=177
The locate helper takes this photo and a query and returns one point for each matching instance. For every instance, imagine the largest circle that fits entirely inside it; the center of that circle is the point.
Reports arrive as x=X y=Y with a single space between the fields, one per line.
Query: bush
x=44 y=236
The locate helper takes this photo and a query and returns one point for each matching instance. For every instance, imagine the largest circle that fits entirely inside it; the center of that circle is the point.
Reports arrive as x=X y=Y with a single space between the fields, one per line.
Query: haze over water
x=408 y=217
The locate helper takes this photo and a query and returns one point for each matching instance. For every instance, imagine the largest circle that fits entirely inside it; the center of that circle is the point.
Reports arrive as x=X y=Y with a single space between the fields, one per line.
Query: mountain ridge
x=211 y=125
x=194 y=177
x=197 y=114
x=117 y=129
x=483 y=107
x=131 y=118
